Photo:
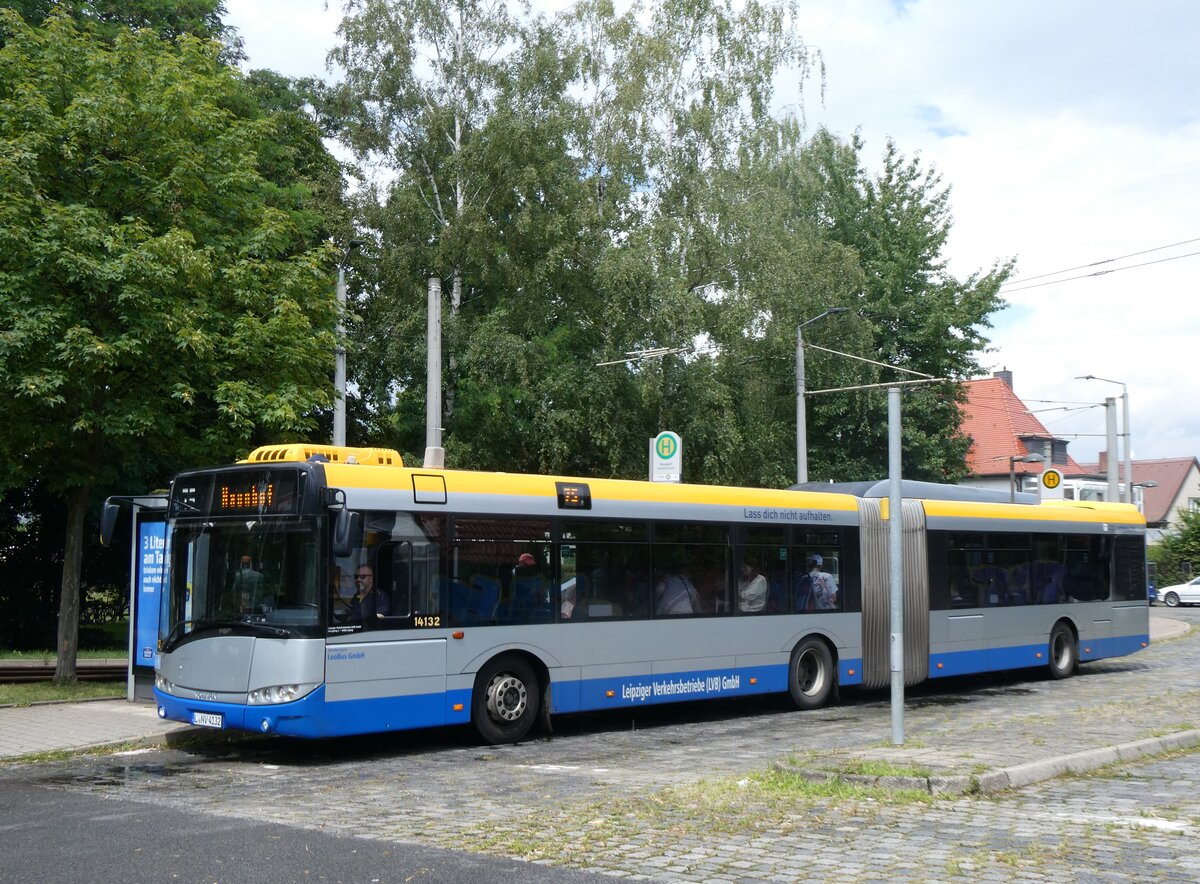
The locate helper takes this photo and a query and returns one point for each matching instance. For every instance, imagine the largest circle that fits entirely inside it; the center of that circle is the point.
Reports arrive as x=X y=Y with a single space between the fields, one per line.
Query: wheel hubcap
x=810 y=675
x=1061 y=651
x=507 y=698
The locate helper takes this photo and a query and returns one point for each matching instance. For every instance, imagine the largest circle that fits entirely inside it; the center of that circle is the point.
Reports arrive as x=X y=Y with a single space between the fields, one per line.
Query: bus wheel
x=1171 y=600
x=811 y=674
x=504 y=704
x=1063 y=654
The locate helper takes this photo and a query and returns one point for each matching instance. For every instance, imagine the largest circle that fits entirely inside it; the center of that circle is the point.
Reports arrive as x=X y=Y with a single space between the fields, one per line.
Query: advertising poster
x=151 y=567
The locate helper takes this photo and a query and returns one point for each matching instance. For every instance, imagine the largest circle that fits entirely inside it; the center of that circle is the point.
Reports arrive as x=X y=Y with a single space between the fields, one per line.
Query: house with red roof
x=1002 y=429
x=1167 y=486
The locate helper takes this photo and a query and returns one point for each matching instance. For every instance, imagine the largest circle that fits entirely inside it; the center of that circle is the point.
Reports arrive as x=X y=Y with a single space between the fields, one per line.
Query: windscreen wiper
x=176 y=632
x=204 y=625
x=234 y=623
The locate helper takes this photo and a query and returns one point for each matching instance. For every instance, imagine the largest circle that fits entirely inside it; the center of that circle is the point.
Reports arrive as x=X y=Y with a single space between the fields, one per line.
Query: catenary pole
x=896 y=566
x=339 y=367
x=1113 y=458
x=435 y=455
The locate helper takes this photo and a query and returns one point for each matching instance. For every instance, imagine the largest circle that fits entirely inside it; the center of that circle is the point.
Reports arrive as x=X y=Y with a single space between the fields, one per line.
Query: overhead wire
x=1026 y=279
x=1038 y=285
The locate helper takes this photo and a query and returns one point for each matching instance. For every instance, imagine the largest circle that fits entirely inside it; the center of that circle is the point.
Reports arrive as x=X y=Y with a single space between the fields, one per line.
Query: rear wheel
x=1064 y=655
x=506 y=699
x=811 y=675
x=1171 y=600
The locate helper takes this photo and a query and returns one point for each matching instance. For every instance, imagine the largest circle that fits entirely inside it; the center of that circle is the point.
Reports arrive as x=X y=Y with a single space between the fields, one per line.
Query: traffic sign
x=666 y=457
x=1051 y=479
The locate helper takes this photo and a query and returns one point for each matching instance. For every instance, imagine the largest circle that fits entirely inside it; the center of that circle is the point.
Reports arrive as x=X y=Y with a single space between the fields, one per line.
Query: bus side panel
x=1131 y=628
x=956 y=643
x=1129 y=632
x=386 y=685
x=602 y=665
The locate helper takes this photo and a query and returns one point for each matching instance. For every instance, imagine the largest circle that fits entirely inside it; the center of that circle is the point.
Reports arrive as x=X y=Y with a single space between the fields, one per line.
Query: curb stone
x=1015 y=777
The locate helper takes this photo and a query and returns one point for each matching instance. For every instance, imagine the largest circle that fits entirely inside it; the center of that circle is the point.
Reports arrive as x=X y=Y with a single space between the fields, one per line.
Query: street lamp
x=1124 y=429
x=1149 y=483
x=339 y=370
x=801 y=425
x=1012 y=471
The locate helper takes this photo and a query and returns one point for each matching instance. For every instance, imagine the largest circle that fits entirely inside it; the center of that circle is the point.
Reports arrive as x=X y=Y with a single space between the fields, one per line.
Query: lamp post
x=339 y=370
x=1012 y=471
x=1128 y=498
x=1149 y=483
x=801 y=417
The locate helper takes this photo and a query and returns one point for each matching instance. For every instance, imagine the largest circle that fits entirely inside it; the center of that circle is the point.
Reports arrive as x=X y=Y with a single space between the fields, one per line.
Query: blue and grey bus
x=319 y=591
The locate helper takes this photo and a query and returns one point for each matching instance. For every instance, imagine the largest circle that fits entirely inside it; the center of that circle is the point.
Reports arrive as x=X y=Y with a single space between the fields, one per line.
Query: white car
x=1182 y=594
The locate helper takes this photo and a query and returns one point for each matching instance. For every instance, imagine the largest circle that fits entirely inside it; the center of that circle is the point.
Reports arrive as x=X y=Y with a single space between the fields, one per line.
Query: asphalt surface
x=1087 y=779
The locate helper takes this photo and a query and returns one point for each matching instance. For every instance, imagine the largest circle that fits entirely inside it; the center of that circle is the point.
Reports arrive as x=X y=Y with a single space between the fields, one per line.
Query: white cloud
x=291 y=37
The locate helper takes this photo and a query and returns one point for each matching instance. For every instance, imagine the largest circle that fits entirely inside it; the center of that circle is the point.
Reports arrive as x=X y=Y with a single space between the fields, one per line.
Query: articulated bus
x=318 y=591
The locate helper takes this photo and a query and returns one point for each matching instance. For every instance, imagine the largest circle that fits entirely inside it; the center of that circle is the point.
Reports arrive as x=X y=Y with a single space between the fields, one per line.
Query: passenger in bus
x=752 y=588
x=1049 y=576
x=675 y=594
x=247 y=586
x=369 y=604
x=635 y=592
x=824 y=587
x=530 y=599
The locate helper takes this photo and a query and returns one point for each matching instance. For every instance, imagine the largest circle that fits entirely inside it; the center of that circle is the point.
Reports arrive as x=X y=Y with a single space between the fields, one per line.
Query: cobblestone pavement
x=690 y=793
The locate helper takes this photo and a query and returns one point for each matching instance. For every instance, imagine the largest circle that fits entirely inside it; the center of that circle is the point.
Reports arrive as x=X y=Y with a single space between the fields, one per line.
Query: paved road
x=688 y=794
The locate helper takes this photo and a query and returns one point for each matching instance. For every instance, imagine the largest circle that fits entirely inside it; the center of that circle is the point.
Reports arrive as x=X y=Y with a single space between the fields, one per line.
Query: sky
x=1068 y=132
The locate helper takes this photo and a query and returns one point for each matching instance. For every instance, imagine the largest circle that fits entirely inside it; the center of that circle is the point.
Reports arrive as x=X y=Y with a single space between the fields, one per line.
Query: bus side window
x=395 y=576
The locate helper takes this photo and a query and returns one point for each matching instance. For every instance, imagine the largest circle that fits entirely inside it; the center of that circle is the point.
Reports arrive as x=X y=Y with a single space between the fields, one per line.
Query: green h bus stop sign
x=666 y=457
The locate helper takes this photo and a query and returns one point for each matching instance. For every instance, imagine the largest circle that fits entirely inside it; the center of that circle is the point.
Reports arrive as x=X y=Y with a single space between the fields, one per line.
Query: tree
x=915 y=315
x=630 y=190
x=167 y=18
x=164 y=292
x=1178 y=545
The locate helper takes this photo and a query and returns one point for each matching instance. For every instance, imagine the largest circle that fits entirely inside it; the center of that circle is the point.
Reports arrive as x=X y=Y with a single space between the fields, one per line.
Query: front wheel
x=1064 y=656
x=1172 y=600
x=506 y=699
x=811 y=674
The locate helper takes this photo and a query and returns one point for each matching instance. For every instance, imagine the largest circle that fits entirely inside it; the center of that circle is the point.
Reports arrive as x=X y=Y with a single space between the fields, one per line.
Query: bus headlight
x=163 y=685
x=279 y=693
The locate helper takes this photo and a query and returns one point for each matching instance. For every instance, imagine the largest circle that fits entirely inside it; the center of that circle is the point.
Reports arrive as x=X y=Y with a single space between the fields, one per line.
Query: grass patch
x=51 y=656
x=878 y=768
x=773 y=801
x=791 y=787
x=41 y=691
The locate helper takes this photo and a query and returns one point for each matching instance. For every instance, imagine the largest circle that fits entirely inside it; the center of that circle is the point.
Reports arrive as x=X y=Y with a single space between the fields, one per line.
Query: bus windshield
x=251 y=576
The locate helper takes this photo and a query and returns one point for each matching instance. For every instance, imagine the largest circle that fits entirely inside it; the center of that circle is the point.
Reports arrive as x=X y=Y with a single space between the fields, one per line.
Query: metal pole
x=1012 y=480
x=1113 y=457
x=1128 y=445
x=339 y=371
x=896 y=565
x=801 y=417
x=435 y=456
x=339 y=368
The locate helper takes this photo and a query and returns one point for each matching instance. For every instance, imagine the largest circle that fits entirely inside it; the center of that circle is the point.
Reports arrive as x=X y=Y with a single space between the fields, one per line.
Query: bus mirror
x=347 y=529
x=108 y=521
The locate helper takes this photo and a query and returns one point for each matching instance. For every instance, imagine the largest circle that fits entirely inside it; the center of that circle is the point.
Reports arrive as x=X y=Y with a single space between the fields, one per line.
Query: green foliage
x=1180 y=544
x=165 y=292
x=157 y=289
x=601 y=183
x=166 y=18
